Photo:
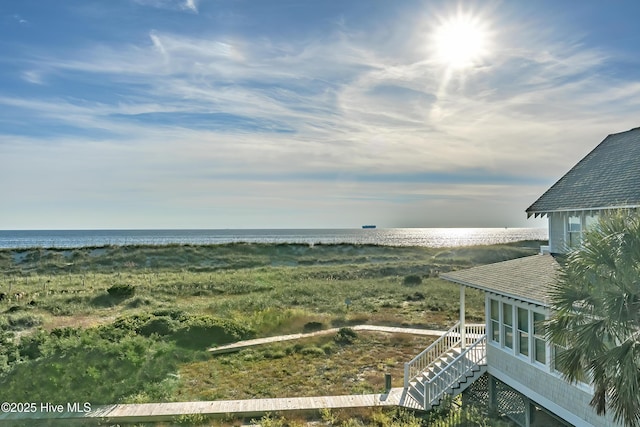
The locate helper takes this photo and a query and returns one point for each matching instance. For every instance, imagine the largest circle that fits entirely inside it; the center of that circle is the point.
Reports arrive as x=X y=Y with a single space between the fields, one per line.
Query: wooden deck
x=237 y=346
x=151 y=412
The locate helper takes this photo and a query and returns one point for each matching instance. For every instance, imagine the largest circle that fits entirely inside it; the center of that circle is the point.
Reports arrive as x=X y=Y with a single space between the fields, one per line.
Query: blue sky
x=301 y=114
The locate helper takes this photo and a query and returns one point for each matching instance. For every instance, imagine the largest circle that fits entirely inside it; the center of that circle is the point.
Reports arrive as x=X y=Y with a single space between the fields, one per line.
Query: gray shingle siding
x=609 y=176
x=566 y=400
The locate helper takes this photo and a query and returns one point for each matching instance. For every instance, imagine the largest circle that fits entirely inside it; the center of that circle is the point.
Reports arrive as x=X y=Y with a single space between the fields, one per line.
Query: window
x=590 y=221
x=574 y=230
x=539 y=344
x=519 y=329
x=523 y=331
x=495 y=321
x=507 y=314
x=557 y=351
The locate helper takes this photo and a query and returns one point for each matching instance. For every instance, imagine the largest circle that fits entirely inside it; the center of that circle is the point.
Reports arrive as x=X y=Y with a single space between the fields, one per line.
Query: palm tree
x=596 y=320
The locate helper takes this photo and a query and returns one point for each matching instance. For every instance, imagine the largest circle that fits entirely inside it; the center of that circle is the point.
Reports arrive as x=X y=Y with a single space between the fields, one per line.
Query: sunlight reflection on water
x=432 y=237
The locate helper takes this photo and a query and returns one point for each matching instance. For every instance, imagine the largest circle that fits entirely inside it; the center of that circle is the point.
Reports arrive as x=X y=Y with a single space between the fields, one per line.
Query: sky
x=303 y=114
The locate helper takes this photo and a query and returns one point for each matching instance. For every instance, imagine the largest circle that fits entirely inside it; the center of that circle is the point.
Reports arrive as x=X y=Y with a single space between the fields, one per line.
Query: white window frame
x=585 y=220
x=514 y=350
x=549 y=366
x=521 y=332
x=539 y=337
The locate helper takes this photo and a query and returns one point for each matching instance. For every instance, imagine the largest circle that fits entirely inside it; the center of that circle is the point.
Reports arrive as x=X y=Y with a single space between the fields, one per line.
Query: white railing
x=419 y=364
x=473 y=333
x=462 y=366
x=446 y=342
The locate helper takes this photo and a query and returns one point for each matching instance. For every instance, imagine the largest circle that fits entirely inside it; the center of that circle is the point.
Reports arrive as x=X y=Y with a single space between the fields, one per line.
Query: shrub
x=274 y=354
x=412 y=280
x=29 y=346
x=203 y=331
x=312 y=351
x=190 y=419
x=131 y=323
x=328 y=348
x=312 y=326
x=159 y=325
x=417 y=296
x=23 y=321
x=123 y=326
x=269 y=420
x=121 y=291
x=65 y=332
x=345 y=336
x=173 y=313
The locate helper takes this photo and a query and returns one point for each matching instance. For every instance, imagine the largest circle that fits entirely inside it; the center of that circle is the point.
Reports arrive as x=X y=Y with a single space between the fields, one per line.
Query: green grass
x=64 y=336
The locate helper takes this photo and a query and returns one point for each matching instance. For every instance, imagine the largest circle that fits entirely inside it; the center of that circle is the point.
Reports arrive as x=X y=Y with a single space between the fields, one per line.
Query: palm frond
x=596 y=305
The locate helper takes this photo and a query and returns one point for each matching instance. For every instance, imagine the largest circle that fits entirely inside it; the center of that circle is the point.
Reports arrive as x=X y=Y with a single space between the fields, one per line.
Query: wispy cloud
x=20 y=19
x=340 y=97
x=33 y=76
x=346 y=114
x=191 y=5
x=186 y=5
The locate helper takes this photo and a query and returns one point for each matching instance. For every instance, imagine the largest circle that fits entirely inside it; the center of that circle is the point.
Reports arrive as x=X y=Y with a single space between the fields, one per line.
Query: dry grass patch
x=76 y=321
x=312 y=367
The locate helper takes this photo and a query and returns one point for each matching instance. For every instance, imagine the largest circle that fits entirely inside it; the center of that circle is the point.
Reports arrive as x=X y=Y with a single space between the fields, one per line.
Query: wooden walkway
x=240 y=345
x=152 y=412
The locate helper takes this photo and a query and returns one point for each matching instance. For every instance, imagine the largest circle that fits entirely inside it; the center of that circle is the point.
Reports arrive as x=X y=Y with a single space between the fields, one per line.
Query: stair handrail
x=476 y=359
x=419 y=363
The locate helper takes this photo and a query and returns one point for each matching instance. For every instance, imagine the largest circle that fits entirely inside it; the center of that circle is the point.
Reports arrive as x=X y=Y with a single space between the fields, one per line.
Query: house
x=510 y=347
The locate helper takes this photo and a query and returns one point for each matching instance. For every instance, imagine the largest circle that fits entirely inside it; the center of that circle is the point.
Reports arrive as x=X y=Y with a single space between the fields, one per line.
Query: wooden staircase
x=446 y=367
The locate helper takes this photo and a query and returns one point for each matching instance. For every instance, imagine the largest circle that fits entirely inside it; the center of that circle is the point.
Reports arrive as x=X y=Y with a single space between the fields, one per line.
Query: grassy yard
x=132 y=324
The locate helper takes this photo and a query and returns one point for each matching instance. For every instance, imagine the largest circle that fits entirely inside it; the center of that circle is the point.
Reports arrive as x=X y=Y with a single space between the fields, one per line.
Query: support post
x=463 y=338
x=493 y=395
x=406 y=375
x=527 y=411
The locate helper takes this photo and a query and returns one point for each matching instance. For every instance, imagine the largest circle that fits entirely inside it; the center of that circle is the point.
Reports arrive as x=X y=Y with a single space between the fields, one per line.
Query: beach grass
x=132 y=324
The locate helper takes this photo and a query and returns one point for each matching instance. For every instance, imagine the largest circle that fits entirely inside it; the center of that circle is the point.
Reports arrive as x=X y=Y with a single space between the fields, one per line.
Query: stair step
x=450 y=373
x=417 y=395
x=417 y=388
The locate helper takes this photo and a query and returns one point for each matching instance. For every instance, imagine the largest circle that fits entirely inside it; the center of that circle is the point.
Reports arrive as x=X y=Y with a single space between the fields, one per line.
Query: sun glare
x=461 y=41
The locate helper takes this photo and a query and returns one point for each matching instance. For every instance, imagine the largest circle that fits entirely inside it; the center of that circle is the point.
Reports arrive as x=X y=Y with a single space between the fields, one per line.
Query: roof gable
x=607 y=177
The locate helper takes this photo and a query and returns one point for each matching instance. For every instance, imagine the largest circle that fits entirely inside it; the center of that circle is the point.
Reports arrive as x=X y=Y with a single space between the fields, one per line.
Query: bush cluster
x=121 y=291
x=412 y=280
x=345 y=336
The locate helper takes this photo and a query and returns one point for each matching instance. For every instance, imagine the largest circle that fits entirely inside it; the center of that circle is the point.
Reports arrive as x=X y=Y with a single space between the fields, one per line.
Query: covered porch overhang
x=526 y=279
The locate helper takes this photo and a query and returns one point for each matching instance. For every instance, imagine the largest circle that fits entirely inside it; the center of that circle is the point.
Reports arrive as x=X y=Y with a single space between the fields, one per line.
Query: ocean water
x=432 y=237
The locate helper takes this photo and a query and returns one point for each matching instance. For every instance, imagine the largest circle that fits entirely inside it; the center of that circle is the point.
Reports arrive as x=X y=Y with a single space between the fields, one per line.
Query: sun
x=460 y=41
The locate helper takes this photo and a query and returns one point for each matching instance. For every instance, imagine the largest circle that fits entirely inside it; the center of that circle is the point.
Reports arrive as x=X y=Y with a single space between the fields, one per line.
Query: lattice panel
x=511 y=403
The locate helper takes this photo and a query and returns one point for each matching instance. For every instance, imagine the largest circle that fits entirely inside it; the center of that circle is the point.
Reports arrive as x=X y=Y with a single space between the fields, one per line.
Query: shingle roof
x=609 y=176
x=527 y=279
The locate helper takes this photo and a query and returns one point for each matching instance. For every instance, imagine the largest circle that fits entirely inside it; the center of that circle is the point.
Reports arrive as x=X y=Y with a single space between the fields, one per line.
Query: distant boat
x=368 y=226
